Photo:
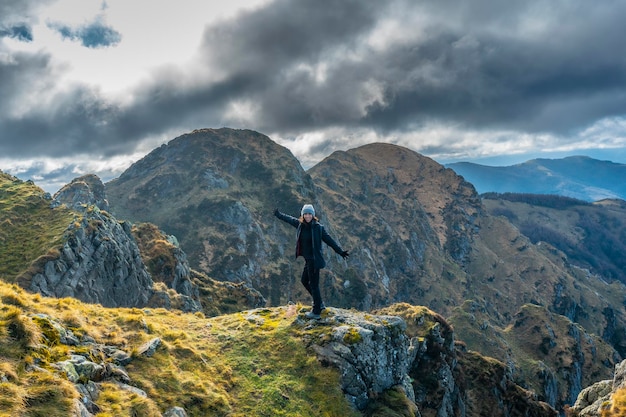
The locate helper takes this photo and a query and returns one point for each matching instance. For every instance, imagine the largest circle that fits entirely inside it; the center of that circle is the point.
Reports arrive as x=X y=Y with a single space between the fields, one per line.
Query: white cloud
x=153 y=34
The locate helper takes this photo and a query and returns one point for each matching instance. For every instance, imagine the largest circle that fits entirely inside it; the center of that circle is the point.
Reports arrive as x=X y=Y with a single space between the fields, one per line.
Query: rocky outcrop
x=599 y=397
x=372 y=353
x=448 y=380
x=415 y=353
x=81 y=193
x=99 y=263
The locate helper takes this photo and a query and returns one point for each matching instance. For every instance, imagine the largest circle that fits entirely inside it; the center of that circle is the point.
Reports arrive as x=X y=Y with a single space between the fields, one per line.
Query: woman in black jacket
x=309 y=238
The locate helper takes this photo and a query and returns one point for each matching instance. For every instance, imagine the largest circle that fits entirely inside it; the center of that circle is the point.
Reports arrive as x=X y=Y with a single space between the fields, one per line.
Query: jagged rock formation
x=81 y=193
x=88 y=254
x=98 y=263
x=98 y=260
x=101 y=262
x=372 y=353
x=604 y=398
x=448 y=380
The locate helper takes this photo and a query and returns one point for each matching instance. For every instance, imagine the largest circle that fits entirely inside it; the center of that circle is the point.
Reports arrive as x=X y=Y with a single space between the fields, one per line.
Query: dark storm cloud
x=95 y=34
x=273 y=48
x=529 y=66
x=564 y=78
x=76 y=123
x=480 y=66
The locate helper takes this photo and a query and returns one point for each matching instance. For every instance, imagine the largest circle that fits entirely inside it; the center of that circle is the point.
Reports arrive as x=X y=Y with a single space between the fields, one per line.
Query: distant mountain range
x=578 y=177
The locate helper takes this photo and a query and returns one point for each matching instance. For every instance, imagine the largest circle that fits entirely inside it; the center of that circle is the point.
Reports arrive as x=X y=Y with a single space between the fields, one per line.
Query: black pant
x=311 y=281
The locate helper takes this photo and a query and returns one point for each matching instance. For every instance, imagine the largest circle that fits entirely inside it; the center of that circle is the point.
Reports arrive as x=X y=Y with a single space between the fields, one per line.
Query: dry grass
x=253 y=363
x=617 y=405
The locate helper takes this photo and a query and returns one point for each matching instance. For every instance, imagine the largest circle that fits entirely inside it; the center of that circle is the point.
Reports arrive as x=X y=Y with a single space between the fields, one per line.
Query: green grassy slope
x=29 y=227
x=243 y=364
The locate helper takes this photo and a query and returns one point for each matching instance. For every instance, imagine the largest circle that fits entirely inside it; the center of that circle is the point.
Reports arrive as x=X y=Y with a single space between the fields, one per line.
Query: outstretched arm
x=286 y=218
x=331 y=242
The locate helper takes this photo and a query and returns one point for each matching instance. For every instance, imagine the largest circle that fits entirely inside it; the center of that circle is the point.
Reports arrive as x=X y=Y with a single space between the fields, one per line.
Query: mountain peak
x=81 y=192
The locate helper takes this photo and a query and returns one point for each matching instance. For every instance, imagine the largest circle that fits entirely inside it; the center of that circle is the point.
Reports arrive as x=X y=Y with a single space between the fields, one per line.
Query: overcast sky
x=90 y=86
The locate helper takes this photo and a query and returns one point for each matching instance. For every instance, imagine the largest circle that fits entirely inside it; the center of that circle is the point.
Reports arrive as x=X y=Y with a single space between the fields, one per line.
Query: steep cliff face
x=69 y=247
x=372 y=353
x=98 y=263
x=448 y=380
x=98 y=260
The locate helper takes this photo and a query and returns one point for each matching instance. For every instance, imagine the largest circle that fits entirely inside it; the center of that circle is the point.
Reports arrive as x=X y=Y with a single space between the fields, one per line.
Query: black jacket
x=319 y=235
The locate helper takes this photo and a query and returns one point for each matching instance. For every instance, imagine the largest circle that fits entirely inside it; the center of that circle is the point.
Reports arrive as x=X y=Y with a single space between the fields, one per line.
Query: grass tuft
x=22 y=328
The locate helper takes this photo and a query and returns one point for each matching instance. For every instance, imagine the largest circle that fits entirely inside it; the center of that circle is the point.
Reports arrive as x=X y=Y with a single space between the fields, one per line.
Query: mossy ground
x=253 y=363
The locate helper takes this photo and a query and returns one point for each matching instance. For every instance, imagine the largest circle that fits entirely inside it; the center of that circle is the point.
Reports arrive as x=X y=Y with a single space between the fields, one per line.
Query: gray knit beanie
x=307 y=208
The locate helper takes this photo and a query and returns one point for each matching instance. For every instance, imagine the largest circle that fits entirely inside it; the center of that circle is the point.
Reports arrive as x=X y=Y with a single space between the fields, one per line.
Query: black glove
x=276 y=212
x=344 y=254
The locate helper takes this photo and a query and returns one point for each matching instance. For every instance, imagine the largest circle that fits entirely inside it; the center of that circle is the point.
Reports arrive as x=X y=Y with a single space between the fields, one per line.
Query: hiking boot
x=312 y=315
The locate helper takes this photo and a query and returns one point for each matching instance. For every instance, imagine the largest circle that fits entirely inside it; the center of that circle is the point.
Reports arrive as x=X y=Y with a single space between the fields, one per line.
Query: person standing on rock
x=309 y=238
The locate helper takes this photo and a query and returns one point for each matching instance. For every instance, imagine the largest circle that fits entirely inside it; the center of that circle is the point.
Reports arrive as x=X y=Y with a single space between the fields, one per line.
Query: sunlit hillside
x=253 y=363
